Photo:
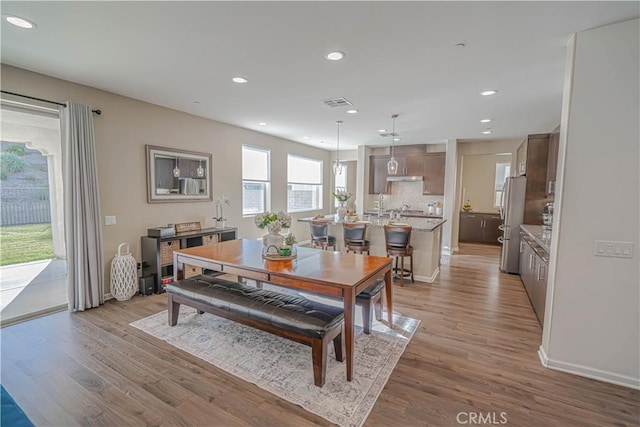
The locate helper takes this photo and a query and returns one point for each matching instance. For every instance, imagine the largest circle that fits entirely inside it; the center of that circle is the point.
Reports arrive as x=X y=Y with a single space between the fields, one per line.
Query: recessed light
x=262 y=124
x=352 y=111
x=488 y=92
x=196 y=102
x=485 y=121
x=335 y=56
x=306 y=137
x=396 y=139
x=240 y=80
x=382 y=130
x=486 y=132
x=460 y=46
x=20 y=22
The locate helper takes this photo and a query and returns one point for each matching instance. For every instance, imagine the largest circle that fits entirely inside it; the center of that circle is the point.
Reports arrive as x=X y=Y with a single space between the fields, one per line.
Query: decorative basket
x=123 y=275
x=166 y=251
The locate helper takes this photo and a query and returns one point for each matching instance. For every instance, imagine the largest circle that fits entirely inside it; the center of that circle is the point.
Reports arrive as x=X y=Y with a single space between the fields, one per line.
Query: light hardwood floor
x=475 y=352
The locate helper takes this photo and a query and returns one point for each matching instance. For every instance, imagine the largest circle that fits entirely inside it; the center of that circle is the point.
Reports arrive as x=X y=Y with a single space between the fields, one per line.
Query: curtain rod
x=98 y=112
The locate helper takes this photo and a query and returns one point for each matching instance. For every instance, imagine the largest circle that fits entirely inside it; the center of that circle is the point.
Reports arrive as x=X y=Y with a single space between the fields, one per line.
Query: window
x=255 y=181
x=304 y=184
x=340 y=183
x=503 y=170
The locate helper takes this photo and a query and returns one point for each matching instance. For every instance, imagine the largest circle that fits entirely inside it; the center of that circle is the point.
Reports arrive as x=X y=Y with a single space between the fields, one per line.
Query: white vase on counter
x=341 y=211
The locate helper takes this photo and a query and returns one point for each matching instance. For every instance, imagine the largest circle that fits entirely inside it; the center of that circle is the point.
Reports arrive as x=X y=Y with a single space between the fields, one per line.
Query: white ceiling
x=400 y=59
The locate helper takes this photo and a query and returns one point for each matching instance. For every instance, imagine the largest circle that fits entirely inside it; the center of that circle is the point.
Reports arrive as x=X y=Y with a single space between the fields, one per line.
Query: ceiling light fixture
x=240 y=80
x=392 y=164
x=262 y=124
x=486 y=132
x=396 y=139
x=460 y=45
x=488 y=92
x=337 y=166
x=352 y=111
x=20 y=22
x=335 y=56
x=485 y=121
x=382 y=130
x=306 y=137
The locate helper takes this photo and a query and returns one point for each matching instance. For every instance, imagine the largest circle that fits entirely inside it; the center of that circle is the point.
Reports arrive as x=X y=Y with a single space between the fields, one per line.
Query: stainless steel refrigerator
x=512 y=213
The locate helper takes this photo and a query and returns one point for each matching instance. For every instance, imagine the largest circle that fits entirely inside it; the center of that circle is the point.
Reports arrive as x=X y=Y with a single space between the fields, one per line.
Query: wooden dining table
x=329 y=273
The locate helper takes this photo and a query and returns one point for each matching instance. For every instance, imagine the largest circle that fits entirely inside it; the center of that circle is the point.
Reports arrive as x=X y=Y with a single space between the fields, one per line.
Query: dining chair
x=398 y=243
x=355 y=237
x=320 y=235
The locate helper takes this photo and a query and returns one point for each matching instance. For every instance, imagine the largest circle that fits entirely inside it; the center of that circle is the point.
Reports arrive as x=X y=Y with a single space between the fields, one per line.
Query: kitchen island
x=426 y=239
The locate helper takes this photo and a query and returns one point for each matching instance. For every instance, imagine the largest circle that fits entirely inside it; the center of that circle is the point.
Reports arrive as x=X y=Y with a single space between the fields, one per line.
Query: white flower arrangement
x=222 y=200
x=342 y=196
x=274 y=222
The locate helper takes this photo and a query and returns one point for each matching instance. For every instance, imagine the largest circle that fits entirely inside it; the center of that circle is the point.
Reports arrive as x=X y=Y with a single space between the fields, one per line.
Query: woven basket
x=166 y=251
x=123 y=275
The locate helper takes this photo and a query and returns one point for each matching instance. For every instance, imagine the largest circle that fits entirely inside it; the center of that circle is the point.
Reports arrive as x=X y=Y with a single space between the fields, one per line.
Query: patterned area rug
x=283 y=367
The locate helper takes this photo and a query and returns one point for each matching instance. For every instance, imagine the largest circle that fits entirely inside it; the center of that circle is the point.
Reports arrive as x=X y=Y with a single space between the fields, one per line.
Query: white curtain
x=83 y=232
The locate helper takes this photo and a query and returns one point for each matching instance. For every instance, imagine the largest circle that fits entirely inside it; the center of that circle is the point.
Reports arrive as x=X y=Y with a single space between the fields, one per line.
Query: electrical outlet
x=613 y=249
x=110 y=220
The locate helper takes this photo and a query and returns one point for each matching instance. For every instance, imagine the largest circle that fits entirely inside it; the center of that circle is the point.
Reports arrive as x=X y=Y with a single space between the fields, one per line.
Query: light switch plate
x=110 y=220
x=613 y=249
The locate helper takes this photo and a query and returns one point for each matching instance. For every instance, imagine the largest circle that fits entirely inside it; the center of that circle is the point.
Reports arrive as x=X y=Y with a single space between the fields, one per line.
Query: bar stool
x=320 y=235
x=355 y=237
x=398 y=242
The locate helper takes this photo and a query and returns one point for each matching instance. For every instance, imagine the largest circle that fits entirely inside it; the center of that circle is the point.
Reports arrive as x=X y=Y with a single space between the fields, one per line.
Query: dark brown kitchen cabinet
x=411 y=165
x=533 y=272
x=479 y=227
x=536 y=189
x=378 y=174
x=552 y=161
x=433 y=170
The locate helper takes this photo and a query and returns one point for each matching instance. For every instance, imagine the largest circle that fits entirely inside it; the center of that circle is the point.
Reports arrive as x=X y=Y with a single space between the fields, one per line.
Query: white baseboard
x=108 y=296
x=585 y=371
x=428 y=279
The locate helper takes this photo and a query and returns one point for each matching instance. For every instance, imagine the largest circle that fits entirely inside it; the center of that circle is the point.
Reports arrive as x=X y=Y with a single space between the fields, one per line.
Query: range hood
x=405 y=178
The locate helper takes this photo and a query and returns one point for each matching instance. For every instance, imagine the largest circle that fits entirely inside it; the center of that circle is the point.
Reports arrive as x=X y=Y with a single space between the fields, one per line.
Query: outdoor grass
x=25 y=243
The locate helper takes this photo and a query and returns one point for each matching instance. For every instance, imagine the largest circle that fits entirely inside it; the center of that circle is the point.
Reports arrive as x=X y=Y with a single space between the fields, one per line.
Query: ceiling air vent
x=386 y=134
x=336 y=102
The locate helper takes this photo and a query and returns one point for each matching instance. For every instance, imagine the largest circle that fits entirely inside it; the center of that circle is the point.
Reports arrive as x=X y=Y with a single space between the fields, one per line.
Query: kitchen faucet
x=405 y=207
x=380 y=204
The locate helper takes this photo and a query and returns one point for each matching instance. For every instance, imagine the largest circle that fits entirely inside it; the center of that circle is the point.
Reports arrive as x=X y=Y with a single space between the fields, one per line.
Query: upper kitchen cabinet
x=521 y=159
x=552 y=161
x=378 y=174
x=433 y=167
x=536 y=190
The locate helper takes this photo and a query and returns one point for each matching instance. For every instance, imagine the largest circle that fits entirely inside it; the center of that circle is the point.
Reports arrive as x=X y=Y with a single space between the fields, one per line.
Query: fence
x=24 y=206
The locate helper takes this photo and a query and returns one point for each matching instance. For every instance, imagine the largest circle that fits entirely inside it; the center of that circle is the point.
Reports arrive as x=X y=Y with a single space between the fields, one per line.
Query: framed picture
x=178 y=175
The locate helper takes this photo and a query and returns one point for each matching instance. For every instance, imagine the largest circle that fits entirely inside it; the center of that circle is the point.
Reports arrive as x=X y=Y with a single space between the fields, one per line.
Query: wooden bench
x=289 y=316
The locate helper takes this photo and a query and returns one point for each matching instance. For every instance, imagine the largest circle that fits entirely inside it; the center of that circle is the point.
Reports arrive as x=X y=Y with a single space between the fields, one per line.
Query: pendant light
x=176 y=170
x=337 y=166
x=200 y=170
x=392 y=164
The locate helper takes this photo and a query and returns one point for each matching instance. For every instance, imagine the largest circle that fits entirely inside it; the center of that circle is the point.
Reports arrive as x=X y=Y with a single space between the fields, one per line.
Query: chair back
x=319 y=230
x=397 y=237
x=354 y=233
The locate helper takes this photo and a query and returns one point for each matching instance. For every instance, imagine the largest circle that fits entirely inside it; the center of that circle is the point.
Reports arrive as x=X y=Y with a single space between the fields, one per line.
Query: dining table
x=332 y=273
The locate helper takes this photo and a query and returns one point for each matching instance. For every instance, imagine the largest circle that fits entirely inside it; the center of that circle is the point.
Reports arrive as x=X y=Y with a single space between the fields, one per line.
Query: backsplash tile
x=403 y=192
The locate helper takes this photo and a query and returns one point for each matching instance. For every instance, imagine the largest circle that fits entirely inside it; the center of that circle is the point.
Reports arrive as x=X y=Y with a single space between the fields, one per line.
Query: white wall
x=122 y=131
x=592 y=326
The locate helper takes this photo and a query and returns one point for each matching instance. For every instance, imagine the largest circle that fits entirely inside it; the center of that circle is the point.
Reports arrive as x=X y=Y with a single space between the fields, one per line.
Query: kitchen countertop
x=405 y=214
x=535 y=232
x=418 y=224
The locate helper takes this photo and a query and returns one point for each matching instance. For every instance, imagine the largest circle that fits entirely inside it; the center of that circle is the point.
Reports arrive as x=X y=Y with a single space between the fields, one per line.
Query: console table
x=157 y=252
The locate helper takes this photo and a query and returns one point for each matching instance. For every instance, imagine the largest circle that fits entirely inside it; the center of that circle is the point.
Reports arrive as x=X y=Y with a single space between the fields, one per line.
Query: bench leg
x=319 y=358
x=337 y=346
x=173 y=310
x=378 y=307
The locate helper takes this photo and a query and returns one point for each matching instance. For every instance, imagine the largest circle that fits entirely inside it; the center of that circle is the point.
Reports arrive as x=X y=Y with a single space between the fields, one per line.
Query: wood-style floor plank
x=475 y=351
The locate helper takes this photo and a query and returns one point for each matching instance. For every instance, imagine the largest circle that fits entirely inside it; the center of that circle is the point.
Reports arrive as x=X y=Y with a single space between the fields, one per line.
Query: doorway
x=33 y=270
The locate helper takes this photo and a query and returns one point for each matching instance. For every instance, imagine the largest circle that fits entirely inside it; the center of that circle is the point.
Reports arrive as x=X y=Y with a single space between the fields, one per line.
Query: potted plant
x=273 y=222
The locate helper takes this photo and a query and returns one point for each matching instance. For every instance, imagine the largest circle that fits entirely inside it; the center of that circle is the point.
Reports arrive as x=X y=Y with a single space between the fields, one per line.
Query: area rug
x=283 y=367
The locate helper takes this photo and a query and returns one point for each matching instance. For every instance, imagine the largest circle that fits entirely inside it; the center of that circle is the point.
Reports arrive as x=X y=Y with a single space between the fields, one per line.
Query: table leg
x=389 y=298
x=349 y=327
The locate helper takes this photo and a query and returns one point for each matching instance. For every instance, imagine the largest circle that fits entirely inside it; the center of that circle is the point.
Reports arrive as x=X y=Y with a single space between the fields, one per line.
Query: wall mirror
x=178 y=175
